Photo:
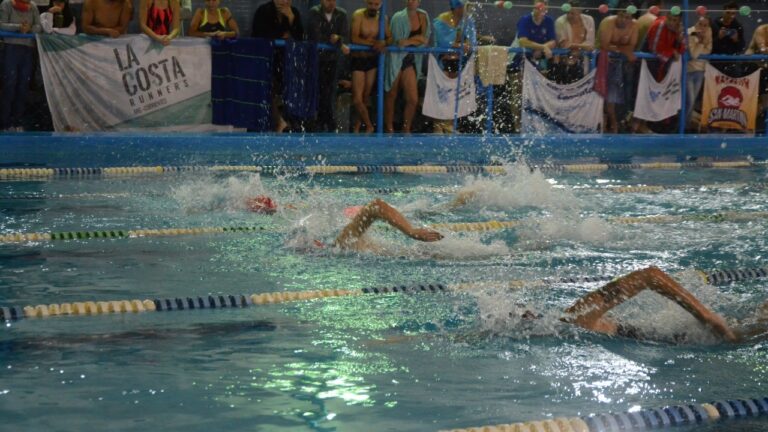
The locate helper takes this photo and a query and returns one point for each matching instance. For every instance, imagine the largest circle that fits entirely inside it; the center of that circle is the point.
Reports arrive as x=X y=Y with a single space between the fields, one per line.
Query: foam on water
x=209 y=194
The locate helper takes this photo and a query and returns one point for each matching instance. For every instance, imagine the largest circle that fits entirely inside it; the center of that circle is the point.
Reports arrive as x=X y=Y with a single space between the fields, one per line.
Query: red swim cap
x=352 y=211
x=261 y=204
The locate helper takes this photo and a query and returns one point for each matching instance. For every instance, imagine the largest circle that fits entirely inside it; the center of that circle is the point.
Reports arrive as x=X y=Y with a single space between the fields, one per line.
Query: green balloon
x=507 y=4
x=631 y=9
x=745 y=10
x=675 y=10
x=566 y=7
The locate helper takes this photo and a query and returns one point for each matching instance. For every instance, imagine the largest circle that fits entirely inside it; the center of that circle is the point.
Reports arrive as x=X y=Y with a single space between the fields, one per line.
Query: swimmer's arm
x=588 y=312
x=380 y=210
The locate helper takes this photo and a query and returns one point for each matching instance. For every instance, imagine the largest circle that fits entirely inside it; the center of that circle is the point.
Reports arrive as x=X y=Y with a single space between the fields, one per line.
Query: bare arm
x=588 y=312
x=357 y=24
x=380 y=210
x=230 y=22
x=176 y=10
x=193 y=26
x=125 y=17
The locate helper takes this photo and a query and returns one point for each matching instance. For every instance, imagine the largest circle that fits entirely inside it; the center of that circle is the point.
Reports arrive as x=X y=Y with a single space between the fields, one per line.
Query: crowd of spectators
x=356 y=71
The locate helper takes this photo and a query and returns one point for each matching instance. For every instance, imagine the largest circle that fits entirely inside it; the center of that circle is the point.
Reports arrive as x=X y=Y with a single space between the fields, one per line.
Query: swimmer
x=589 y=311
x=352 y=235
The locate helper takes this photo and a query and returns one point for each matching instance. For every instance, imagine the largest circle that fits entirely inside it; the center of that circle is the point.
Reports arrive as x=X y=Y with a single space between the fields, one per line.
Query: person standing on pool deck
x=365 y=31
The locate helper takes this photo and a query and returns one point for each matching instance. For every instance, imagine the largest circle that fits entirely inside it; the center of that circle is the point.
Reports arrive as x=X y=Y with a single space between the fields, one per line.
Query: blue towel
x=241 y=83
x=300 y=92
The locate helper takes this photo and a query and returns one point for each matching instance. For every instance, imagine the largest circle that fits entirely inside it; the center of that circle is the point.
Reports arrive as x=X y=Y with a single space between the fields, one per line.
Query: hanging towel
x=401 y=29
x=492 y=64
x=300 y=92
x=601 y=78
x=241 y=83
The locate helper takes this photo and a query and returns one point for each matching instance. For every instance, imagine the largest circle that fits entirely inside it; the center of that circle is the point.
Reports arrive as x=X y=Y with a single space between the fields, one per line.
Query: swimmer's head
x=261 y=204
x=525 y=314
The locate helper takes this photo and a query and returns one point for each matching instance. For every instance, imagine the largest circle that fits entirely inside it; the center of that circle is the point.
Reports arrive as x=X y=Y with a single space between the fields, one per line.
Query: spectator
x=759 y=45
x=59 y=19
x=536 y=33
x=665 y=40
x=213 y=21
x=17 y=16
x=574 y=31
x=160 y=19
x=728 y=38
x=365 y=31
x=328 y=24
x=645 y=22
x=699 y=42
x=107 y=17
x=277 y=19
x=618 y=34
x=409 y=27
x=453 y=30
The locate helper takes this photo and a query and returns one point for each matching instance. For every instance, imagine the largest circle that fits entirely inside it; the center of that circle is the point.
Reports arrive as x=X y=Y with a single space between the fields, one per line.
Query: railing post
x=380 y=72
x=489 y=109
x=683 y=118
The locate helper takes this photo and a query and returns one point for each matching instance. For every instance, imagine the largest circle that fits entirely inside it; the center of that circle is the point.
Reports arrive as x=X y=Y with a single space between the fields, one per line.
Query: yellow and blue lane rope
x=242 y=300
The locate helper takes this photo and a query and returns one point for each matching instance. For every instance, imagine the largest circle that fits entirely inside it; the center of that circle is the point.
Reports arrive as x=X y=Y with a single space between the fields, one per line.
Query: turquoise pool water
x=394 y=362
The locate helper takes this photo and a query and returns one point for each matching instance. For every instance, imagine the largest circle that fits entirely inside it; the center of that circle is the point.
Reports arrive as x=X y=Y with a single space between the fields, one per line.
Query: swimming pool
x=370 y=362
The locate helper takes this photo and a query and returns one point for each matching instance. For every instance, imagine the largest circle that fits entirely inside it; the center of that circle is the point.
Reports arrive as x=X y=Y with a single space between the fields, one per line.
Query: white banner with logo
x=549 y=107
x=440 y=95
x=656 y=100
x=130 y=82
x=728 y=102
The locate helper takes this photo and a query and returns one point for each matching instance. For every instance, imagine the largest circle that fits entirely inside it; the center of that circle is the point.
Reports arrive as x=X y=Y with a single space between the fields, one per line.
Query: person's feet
x=425 y=235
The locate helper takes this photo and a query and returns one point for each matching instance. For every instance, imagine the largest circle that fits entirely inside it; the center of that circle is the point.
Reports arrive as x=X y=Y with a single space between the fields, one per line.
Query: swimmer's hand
x=425 y=235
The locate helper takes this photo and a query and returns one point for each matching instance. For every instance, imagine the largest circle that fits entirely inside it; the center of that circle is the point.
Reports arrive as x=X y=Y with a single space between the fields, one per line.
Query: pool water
x=379 y=362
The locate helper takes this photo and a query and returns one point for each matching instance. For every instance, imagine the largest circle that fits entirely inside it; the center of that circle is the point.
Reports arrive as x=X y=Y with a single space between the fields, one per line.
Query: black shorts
x=364 y=64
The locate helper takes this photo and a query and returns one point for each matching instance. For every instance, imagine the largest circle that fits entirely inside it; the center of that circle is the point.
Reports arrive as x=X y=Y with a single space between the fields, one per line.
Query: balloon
x=654 y=10
x=675 y=10
x=566 y=7
x=500 y=4
x=507 y=4
x=745 y=10
x=631 y=9
x=701 y=10
x=603 y=9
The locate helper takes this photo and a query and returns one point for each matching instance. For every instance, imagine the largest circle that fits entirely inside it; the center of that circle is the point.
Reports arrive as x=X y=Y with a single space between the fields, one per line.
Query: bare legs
x=380 y=210
x=362 y=84
x=407 y=80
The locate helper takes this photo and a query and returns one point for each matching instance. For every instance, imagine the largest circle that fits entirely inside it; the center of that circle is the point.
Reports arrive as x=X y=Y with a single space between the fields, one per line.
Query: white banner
x=549 y=107
x=440 y=95
x=655 y=100
x=130 y=82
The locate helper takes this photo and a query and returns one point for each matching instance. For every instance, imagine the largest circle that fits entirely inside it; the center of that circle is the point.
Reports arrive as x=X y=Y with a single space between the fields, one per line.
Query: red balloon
x=500 y=4
x=701 y=10
x=654 y=10
x=603 y=8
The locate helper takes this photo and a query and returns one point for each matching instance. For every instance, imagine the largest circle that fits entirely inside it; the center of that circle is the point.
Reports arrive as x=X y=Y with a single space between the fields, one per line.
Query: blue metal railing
x=489 y=89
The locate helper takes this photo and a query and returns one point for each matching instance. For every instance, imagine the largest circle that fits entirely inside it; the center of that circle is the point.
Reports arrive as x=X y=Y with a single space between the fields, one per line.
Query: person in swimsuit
x=617 y=33
x=365 y=31
x=575 y=31
x=589 y=311
x=160 y=19
x=352 y=236
x=213 y=21
x=409 y=27
x=106 y=17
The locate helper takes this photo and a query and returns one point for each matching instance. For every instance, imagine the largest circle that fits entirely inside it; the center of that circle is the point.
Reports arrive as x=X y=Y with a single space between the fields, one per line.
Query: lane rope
x=492 y=225
x=652 y=418
x=12 y=313
x=25 y=173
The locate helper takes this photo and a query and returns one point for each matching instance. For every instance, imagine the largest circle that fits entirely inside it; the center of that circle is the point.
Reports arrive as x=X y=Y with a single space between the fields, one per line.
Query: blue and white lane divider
x=92 y=307
x=646 y=419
